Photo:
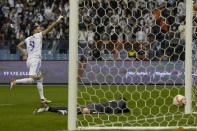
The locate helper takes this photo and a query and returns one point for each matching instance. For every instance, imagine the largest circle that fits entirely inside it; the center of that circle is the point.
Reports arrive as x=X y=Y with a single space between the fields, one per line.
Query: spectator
x=96 y=53
x=1 y=12
x=181 y=11
x=2 y=37
x=11 y=3
x=181 y=30
x=31 y=3
x=48 y=11
x=54 y=46
x=141 y=36
x=19 y=6
x=141 y=55
x=154 y=50
x=171 y=4
x=27 y=30
x=161 y=21
x=137 y=13
x=9 y=31
x=151 y=5
x=82 y=38
x=149 y=19
x=13 y=43
x=160 y=3
x=39 y=18
x=90 y=36
x=20 y=35
x=113 y=4
x=105 y=4
x=181 y=8
x=6 y=9
x=141 y=4
x=128 y=33
x=63 y=45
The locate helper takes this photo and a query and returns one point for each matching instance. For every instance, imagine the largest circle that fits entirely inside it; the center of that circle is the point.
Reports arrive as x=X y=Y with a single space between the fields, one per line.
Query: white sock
x=25 y=80
x=40 y=88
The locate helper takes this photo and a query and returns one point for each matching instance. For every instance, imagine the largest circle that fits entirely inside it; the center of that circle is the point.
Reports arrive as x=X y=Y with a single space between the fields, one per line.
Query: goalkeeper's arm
x=49 y=28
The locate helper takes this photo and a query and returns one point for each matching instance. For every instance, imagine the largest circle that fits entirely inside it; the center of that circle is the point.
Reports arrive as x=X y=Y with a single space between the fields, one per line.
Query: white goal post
x=188 y=56
x=73 y=65
x=125 y=122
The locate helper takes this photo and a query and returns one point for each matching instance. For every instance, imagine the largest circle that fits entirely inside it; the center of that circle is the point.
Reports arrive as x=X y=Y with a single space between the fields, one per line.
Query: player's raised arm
x=49 y=28
x=19 y=46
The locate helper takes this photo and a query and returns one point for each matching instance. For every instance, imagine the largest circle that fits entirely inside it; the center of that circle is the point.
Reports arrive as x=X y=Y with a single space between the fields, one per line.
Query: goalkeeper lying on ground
x=110 y=107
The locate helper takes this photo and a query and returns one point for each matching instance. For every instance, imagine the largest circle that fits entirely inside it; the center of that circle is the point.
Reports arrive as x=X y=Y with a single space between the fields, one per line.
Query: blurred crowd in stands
x=18 y=16
x=140 y=29
x=108 y=29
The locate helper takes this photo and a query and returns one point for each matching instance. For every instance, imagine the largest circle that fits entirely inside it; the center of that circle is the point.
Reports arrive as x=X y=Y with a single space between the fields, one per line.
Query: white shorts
x=34 y=65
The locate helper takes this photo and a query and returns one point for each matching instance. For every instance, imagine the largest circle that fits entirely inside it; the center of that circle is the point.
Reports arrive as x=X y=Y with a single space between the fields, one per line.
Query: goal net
x=139 y=50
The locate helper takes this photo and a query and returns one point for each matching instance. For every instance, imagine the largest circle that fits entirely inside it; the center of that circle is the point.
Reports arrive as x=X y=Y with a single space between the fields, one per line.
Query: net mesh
x=133 y=49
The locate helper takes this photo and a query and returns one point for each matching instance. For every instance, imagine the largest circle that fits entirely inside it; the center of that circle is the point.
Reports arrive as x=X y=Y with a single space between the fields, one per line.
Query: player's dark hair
x=33 y=27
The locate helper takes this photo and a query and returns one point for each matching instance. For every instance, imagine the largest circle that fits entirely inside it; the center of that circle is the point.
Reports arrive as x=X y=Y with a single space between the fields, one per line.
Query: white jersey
x=141 y=36
x=34 y=45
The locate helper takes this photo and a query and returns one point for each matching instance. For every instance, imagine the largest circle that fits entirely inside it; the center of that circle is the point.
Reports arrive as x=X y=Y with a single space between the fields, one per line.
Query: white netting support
x=134 y=49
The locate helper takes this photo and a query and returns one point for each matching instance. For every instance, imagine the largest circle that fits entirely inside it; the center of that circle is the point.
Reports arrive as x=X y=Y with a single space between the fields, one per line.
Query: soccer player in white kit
x=34 y=48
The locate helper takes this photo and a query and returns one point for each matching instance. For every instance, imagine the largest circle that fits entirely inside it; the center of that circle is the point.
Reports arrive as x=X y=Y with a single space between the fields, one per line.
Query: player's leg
x=62 y=110
x=31 y=64
x=40 y=109
x=24 y=81
x=40 y=87
x=56 y=108
x=41 y=90
x=37 y=76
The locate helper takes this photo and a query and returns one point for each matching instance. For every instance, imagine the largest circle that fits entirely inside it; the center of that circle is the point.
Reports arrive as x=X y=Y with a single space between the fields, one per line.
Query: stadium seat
x=45 y=44
x=105 y=56
x=50 y=57
x=3 y=56
x=5 y=47
x=123 y=55
x=44 y=56
x=3 y=51
x=61 y=57
x=44 y=51
x=57 y=56
x=13 y=57
x=64 y=56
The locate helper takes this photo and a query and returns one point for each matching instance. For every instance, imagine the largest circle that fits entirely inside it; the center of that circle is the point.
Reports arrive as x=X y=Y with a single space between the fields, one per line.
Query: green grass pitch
x=16 y=107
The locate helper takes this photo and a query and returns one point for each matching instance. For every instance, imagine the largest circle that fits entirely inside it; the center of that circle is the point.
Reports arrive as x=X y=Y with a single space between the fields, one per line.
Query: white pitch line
x=6 y=104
